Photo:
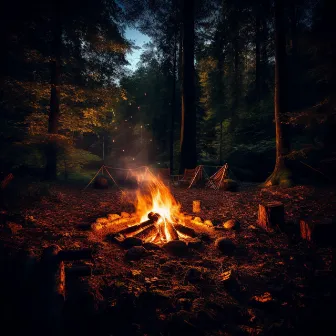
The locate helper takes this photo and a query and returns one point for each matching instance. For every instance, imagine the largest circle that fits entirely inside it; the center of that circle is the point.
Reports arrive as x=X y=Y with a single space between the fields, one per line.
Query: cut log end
x=271 y=216
x=319 y=231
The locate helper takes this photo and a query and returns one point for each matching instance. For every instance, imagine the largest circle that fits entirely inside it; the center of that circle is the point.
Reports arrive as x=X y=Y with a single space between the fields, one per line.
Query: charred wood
x=148 y=231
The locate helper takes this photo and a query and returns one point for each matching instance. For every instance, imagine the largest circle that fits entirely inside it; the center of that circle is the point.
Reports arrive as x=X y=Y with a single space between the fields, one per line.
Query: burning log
x=162 y=232
x=156 y=239
x=153 y=218
x=148 y=231
x=171 y=231
x=185 y=230
x=271 y=215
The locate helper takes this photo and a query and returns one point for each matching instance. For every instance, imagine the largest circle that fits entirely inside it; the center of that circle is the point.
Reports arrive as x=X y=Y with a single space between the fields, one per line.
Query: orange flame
x=154 y=196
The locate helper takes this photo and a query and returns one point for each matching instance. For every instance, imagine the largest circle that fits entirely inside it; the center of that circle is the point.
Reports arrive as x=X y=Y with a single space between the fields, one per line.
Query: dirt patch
x=270 y=283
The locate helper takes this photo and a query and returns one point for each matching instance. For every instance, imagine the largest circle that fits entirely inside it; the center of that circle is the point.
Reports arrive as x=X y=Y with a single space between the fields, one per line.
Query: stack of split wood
x=153 y=230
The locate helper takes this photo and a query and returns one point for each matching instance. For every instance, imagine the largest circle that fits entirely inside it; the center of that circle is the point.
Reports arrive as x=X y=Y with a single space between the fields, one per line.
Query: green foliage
x=72 y=160
x=92 y=59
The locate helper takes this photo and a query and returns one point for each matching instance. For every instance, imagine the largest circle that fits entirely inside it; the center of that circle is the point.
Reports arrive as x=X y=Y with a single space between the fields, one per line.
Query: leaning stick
x=93 y=177
x=171 y=231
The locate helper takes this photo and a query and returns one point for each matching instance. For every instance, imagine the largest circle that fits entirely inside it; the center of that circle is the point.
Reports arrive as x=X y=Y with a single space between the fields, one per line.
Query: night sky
x=139 y=39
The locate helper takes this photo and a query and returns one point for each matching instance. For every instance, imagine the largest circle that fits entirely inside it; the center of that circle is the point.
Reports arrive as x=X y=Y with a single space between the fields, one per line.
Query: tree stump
x=319 y=231
x=271 y=215
x=196 y=206
x=52 y=287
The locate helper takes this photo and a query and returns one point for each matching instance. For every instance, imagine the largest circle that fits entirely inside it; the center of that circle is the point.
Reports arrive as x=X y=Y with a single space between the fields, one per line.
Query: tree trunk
x=173 y=102
x=220 y=143
x=281 y=174
x=258 y=56
x=295 y=87
x=220 y=78
x=236 y=69
x=54 y=113
x=188 y=119
x=263 y=54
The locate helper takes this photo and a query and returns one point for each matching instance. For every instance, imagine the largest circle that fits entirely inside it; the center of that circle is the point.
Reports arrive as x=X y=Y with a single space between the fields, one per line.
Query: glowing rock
x=208 y=223
x=231 y=224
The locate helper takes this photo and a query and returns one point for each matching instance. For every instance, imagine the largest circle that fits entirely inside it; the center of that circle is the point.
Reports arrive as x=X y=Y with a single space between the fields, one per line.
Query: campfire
x=157 y=219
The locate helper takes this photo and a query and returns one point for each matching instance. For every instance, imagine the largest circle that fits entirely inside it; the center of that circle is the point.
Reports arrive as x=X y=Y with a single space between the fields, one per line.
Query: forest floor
x=278 y=285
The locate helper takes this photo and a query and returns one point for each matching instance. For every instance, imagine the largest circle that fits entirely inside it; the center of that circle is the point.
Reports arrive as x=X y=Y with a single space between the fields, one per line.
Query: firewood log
x=148 y=231
x=123 y=220
x=185 y=230
x=171 y=231
x=137 y=227
x=155 y=240
x=162 y=232
x=271 y=215
x=108 y=224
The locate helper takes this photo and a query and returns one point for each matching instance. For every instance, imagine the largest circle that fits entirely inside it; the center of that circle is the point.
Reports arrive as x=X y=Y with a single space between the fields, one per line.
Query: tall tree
x=55 y=73
x=173 y=102
x=63 y=61
x=188 y=118
x=281 y=174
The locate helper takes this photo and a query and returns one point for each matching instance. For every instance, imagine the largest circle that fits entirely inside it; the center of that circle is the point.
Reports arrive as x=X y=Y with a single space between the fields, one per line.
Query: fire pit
x=158 y=218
